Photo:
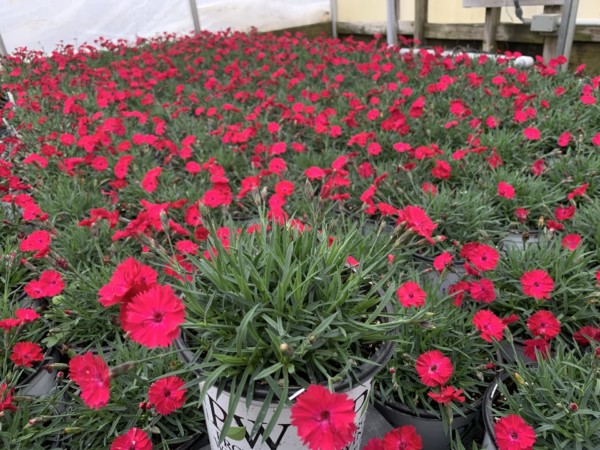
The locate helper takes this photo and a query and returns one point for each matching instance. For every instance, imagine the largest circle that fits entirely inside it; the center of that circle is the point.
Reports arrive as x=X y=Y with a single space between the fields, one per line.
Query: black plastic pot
x=489 y=440
x=510 y=353
x=196 y=442
x=41 y=382
x=518 y=241
x=430 y=427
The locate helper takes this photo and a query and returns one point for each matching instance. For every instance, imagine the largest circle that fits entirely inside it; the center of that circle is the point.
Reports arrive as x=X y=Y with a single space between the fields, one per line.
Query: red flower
x=578 y=191
x=150 y=181
x=50 y=284
x=434 y=368
x=411 y=294
x=187 y=247
x=6 y=399
x=482 y=290
x=129 y=279
x=537 y=168
x=417 y=220
x=134 y=439
x=513 y=433
x=284 y=188
x=447 y=395
x=537 y=284
x=152 y=318
x=585 y=335
x=544 y=324
x=314 y=173
x=38 y=241
x=442 y=170
x=442 y=261
x=374 y=444
x=405 y=438
x=93 y=377
x=489 y=324
x=167 y=394
x=26 y=315
x=324 y=420
x=521 y=214
x=482 y=256
x=506 y=190
x=571 y=241
x=542 y=346
x=24 y=354
x=564 y=213
x=533 y=134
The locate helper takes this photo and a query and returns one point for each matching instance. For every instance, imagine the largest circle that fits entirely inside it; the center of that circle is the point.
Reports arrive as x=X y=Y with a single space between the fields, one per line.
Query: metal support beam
x=392 y=22
x=3 y=51
x=195 y=16
x=566 y=32
x=334 y=18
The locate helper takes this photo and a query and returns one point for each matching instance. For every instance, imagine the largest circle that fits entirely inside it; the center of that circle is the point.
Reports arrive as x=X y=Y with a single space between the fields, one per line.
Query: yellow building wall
x=445 y=11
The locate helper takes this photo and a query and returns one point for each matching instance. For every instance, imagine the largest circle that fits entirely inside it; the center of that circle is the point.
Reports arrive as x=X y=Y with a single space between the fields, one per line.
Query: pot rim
x=488 y=399
x=471 y=409
x=362 y=373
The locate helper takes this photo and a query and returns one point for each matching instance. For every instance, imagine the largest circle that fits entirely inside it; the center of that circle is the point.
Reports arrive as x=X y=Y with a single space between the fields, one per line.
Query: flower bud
x=392 y=370
x=311 y=339
x=519 y=379
x=122 y=368
x=164 y=221
x=286 y=349
x=72 y=430
x=573 y=406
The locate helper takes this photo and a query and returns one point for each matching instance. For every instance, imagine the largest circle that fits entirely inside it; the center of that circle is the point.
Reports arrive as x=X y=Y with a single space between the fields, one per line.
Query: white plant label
x=283 y=437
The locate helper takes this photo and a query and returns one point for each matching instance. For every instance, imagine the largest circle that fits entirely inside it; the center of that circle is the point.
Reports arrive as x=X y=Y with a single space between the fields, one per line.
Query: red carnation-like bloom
x=134 y=439
x=489 y=324
x=531 y=133
x=374 y=444
x=542 y=346
x=447 y=395
x=537 y=284
x=417 y=220
x=411 y=294
x=6 y=399
x=513 y=433
x=585 y=335
x=564 y=213
x=26 y=315
x=434 y=368
x=129 y=279
x=38 y=241
x=506 y=190
x=482 y=290
x=49 y=284
x=324 y=420
x=93 y=377
x=482 y=256
x=442 y=261
x=167 y=394
x=544 y=324
x=571 y=241
x=152 y=318
x=24 y=354
x=405 y=438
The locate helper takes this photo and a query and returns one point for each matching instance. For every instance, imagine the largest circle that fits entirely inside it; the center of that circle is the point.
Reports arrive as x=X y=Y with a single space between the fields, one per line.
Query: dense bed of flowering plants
x=115 y=151
x=551 y=404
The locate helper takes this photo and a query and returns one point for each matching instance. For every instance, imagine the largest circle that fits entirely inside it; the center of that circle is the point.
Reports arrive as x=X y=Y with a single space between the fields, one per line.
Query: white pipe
x=522 y=62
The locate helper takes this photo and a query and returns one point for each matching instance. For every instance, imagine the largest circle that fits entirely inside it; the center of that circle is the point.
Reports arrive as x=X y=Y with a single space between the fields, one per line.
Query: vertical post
x=492 y=19
x=392 y=23
x=567 y=32
x=195 y=17
x=421 y=10
x=551 y=41
x=333 y=13
x=3 y=51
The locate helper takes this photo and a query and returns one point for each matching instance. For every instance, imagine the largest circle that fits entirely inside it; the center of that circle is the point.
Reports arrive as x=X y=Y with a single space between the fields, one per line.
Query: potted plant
x=271 y=312
x=440 y=371
x=146 y=390
x=551 y=404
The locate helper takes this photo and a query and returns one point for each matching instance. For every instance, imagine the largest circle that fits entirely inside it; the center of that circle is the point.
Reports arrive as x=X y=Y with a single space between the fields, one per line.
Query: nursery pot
x=430 y=427
x=518 y=241
x=196 y=442
x=284 y=435
x=41 y=382
x=489 y=440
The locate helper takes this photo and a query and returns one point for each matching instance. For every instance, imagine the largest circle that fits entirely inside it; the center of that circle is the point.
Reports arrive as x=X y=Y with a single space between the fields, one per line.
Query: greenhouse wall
x=42 y=24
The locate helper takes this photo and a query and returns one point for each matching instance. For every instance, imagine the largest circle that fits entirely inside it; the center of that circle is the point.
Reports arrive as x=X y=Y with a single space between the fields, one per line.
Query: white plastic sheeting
x=43 y=24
